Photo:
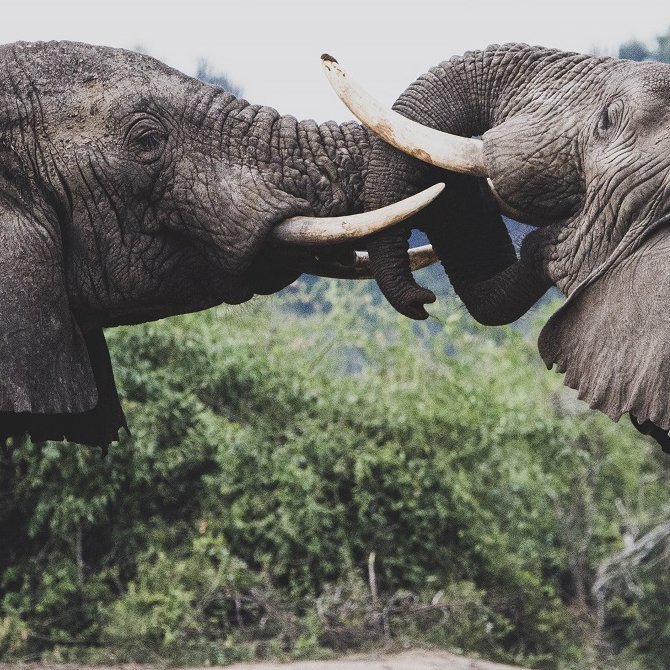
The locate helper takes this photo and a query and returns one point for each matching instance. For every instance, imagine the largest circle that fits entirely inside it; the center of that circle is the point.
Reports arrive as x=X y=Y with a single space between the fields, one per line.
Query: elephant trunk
x=465 y=97
x=306 y=181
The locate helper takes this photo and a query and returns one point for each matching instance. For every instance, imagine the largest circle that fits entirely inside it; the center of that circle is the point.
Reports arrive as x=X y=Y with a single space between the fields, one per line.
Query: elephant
x=578 y=147
x=130 y=192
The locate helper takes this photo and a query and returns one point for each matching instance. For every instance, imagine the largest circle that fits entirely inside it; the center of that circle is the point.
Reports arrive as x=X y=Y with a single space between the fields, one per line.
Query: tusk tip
x=314 y=231
x=327 y=58
x=432 y=192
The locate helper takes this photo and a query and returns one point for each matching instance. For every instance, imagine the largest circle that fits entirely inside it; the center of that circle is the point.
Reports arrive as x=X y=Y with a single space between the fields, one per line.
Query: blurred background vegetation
x=312 y=474
x=297 y=486
x=636 y=50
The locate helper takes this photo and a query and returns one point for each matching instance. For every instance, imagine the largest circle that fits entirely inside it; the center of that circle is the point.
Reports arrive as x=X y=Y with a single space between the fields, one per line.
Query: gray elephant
x=129 y=192
x=575 y=145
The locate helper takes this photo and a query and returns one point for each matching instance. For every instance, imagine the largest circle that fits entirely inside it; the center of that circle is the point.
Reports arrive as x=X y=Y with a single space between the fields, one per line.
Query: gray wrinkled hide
x=580 y=146
x=130 y=192
x=612 y=336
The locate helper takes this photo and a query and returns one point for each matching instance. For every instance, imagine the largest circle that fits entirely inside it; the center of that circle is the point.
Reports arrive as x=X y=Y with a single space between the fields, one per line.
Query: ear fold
x=96 y=427
x=612 y=337
x=46 y=365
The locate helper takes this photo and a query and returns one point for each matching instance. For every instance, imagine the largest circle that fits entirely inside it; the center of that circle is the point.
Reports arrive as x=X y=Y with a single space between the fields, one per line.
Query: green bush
x=272 y=453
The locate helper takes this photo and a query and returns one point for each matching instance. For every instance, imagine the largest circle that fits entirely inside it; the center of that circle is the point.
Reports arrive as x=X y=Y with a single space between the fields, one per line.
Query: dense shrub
x=298 y=486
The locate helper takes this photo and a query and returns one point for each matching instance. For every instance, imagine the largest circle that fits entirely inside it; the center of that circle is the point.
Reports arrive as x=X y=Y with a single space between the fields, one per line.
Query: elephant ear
x=612 y=338
x=51 y=376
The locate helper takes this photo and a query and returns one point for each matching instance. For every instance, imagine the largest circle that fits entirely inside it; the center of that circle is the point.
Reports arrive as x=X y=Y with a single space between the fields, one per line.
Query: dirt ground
x=409 y=660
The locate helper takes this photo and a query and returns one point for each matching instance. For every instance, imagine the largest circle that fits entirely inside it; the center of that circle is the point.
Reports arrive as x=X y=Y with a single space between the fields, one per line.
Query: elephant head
x=129 y=192
x=575 y=145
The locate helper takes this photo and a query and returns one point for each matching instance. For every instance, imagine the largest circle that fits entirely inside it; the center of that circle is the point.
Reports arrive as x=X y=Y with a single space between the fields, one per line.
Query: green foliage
x=278 y=463
x=183 y=607
x=636 y=50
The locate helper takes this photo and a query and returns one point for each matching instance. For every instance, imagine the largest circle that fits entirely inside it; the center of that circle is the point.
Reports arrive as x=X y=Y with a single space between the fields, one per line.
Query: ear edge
x=98 y=426
x=610 y=337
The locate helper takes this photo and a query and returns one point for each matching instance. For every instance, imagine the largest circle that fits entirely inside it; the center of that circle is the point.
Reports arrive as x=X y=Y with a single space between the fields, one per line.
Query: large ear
x=46 y=365
x=612 y=337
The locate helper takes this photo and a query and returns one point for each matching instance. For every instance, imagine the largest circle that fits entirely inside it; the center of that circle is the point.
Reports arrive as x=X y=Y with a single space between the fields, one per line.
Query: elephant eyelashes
x=149 y=141
x=610 y=117
x=604 y=122
x=146 y=139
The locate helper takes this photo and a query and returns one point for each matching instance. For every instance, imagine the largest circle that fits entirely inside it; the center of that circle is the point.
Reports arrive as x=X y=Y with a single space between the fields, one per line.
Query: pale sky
x=272 y=48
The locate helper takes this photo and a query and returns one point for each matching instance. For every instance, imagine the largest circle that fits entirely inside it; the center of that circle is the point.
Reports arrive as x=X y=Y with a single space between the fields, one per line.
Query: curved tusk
x=460 y=154
x=359 y=267
x=506 y=209
x=422 y=257
x=315 y=231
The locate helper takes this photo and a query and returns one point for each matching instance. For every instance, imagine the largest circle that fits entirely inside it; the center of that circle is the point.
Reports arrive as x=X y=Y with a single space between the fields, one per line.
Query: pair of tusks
x=451 y=152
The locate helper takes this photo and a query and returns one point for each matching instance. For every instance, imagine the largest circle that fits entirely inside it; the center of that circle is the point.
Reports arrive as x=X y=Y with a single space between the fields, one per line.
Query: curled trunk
x=468 y=96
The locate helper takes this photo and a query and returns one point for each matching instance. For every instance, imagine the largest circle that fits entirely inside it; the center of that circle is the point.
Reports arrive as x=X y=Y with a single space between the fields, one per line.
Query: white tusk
x=460 y=154
x=314 y=231
x=359 y=267
x=422 y=257
x=506 y=209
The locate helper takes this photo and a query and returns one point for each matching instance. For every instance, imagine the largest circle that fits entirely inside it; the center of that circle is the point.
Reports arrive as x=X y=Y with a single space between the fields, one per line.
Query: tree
x=206 y=73
x=636 y=50
x=663 y=52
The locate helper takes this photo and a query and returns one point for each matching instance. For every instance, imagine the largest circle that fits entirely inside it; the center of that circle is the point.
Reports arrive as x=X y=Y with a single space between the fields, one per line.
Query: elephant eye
x=147 y=139
x=610 y=118
x=604 y=122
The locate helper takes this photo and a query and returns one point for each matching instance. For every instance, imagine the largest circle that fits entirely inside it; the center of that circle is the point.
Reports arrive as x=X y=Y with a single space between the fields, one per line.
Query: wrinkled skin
x=129 y=192
x=580 y=146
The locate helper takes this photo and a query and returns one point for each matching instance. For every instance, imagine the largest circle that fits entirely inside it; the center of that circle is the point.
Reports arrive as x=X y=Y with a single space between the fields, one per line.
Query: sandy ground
x=409 y=660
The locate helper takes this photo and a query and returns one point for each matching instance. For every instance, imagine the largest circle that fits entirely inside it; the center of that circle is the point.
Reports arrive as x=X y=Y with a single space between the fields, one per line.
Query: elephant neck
x=322 y=165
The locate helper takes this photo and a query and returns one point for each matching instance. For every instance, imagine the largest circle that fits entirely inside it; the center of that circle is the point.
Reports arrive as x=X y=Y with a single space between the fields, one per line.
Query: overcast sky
x=272 y=49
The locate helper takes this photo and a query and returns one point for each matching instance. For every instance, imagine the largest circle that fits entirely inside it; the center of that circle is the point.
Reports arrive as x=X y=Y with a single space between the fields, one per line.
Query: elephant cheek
x=390 y=267
x=545 y=184
x=236 y=290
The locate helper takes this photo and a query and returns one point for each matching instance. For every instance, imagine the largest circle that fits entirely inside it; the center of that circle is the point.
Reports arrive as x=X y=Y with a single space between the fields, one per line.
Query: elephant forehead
x=75 y=72
x=116 y=99
x=76 y=60
x=98 y=108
